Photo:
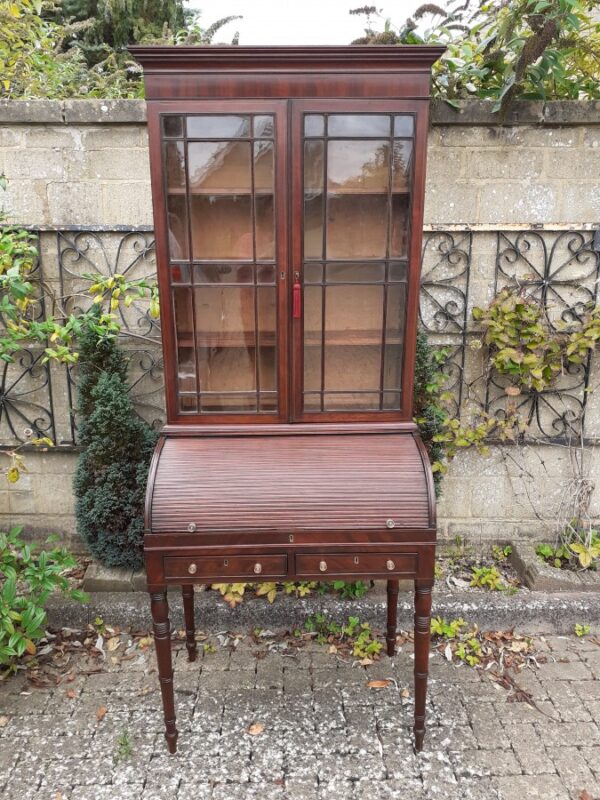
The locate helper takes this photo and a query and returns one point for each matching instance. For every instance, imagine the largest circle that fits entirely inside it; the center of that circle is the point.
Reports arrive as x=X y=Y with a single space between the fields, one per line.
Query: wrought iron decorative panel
x=460 y=268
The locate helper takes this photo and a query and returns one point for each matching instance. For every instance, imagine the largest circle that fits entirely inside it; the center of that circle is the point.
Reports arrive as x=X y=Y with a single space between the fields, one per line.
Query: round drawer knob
x=192 y=527
x=323 y=566
x=193 y=569
x=389 y=523
x=390 y=564
x=258 y=568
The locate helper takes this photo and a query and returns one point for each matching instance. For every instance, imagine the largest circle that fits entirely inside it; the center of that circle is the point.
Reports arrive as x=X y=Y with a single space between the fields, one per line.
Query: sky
x=296 y=22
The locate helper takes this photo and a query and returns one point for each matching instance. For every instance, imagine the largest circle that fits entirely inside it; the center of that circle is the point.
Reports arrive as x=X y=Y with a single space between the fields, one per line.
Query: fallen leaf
x=101 y=713
x=147 y=641
x=71 y=677
x=405 y=693
x=4 y=722
x=114 y=644
x=255 y=729
x=378 y=684
x=71 y=694
x=585 y=795
x=332 y=649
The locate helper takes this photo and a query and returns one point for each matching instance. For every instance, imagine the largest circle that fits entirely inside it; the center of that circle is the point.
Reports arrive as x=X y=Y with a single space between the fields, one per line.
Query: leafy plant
x=581 y=630
x=557 y=556
x=504 y=49
x=462 y=642
x=349 y=590
x=357 y=634
x=28 y=577
x=124 y=748
x=487 y=578
x=500 y=553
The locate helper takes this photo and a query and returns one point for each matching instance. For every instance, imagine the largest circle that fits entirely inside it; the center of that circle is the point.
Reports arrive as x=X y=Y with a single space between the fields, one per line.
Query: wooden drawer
x=223 y=567
x=367 y=564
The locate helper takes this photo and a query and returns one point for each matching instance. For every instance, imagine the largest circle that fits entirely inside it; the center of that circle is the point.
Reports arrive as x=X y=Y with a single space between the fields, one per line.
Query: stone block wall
x=85 y=164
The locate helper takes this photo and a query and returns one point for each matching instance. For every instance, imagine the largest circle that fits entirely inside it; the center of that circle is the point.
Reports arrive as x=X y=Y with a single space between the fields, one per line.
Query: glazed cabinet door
x=220 y=169
x=356 y=233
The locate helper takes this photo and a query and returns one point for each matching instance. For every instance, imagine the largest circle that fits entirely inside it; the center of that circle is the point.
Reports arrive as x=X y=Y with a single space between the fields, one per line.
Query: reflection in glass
x=313 y=326
x=401 y=166
x=404 y=125
x=352 y=401
x=313 y=273
x=265 y=226
x=266 y=304
x=356 y=226
x=313 y=167
x=219 y=403
x=180 y=273
x=400 y=223
x=177 y=226
x=219 y=167
x=172 y=125
x=314 y=125
x=264 y=126
x=186 y=358
x=358 y=125
x=313 y=226
x=358 y=166
x=355 y=273
x=223 y=273
x=217 y=126
x=263 y=167
x=175 y=166
x=221 y=227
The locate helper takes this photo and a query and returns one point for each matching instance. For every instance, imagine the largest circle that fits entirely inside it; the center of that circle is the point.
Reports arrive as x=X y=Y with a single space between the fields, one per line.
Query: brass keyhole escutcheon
x=258 y=568
x=323 y=566
x=226 y=562
x=356 y=559
x=291 y=537
x=192 y=569
x=390 y=564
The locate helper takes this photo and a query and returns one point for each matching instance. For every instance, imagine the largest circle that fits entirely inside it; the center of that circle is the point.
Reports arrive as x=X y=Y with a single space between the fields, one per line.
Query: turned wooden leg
x=422 y=629
x=392 y=614
x=190 y=629
x=162 y=640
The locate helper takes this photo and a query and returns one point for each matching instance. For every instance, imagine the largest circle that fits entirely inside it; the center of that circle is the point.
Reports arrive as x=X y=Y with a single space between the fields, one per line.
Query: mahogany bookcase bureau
x=288 y=188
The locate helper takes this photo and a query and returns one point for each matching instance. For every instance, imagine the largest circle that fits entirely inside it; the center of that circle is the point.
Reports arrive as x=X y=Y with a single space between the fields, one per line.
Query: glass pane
x=214 y=126
x=223 y=273
x=313 y=167
x=175 y=166
x=358 y=166
x=265 y=226
x=186 y=359
x=358 y=125
x=313 y=226
x=355 y=273
x=263 y=167
x=219 y=167
x=180 y=273
x=404 y=125
x=312 y=401
x=226 y=338
x=178 y=228
x=228 y=403
x=391 y=401
x=188 y=403
x=221 y=227
x=398 y=270
x=264 y=126
x=394 y=336
x=313 y=273
x=401 y=166
x=354 y=401
x=267 y=401
x=314 y=125
x=353 y=331
x=357 y=226
x=312 y=337
x=266 y=303
x=400 y=223
x=172 y=126
x=265 y=274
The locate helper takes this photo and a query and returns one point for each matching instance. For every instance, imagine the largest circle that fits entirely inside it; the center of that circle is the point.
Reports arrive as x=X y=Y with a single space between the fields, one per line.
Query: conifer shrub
x=111 y=476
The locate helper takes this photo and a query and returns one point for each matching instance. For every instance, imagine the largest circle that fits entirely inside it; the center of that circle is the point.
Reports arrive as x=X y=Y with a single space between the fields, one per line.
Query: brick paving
x=326 y=733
